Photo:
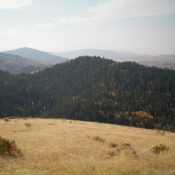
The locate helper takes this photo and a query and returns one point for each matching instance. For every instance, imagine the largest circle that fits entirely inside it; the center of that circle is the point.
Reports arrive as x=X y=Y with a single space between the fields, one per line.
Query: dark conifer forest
x=93 y=89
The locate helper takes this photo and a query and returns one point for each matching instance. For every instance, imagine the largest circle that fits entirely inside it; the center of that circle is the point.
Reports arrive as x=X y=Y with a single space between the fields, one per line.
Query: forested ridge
x=93 y=89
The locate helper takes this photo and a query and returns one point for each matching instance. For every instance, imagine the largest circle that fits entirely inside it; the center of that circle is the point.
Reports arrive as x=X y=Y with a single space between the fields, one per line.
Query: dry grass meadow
x=63 y=147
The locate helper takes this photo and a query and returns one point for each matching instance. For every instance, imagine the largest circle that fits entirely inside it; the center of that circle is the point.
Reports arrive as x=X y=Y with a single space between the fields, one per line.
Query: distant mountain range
x=27 y=60
x=38 y=55
x=161 y=61
x=17 y=64
x=117 y=56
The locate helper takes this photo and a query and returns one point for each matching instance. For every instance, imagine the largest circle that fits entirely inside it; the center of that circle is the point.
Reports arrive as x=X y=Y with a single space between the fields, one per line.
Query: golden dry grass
x=63 y=147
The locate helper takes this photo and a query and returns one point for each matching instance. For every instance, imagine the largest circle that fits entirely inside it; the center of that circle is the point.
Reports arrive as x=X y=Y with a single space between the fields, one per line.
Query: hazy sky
x=142 y=26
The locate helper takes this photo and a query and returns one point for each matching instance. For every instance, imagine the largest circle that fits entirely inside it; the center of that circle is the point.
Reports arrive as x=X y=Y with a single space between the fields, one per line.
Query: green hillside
x=93 y=89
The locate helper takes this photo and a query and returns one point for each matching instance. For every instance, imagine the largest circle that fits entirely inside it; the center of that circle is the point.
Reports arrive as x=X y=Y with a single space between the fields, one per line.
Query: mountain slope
x=94 y=89
x=16 y=64
x=67 y=147
x=37 y=55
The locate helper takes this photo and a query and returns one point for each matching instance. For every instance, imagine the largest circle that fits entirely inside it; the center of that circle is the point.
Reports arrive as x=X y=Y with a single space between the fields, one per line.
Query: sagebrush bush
x=99 y=139
x=126 y=150
x=28 y=125
x=113 y=145
x=9 y=148
x=125 y=145
x=159 y=149
x=112 y=153
x=6 y=119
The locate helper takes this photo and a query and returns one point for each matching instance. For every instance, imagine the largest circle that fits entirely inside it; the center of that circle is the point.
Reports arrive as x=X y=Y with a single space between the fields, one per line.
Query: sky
x=138 y=26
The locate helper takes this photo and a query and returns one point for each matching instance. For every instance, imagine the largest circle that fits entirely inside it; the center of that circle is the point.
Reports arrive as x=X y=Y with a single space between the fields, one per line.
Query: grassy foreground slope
x=64 y=147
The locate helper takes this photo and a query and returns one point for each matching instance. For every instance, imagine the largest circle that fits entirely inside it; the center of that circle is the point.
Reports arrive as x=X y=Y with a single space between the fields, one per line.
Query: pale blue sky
x=141 y=26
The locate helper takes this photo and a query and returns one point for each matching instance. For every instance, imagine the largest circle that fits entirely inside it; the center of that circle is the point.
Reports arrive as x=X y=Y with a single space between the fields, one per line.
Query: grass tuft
x=160 y=132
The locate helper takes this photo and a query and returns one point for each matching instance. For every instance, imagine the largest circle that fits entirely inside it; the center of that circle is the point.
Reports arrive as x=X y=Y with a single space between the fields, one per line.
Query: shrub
x=125 y=145
x=129 y=153
x=52 y=124
x=99 y=139
x=112 y=153
x=28 y=125
x=159 y=149
x=9 y=148
x=6 y=119
x=113 y=145
x=126 y=151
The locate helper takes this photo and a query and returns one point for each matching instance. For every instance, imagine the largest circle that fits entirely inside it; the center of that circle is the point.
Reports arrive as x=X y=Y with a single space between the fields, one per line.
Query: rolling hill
x=37 y=55
x=17 y=64
x=62 y=147
x=93 y=89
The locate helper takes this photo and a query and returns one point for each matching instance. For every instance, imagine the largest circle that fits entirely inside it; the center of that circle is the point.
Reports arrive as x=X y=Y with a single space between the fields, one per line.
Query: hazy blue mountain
x=117 y=56
x=37 y=55
x=158 y=64
x=161 y=61
x=17 y=64
x=158 y=58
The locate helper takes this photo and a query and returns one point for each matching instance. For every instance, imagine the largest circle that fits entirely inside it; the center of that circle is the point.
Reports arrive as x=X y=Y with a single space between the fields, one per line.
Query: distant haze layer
x=141 y=26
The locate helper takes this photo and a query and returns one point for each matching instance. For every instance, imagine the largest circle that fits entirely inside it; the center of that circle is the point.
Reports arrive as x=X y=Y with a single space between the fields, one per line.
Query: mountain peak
x=38 y=55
